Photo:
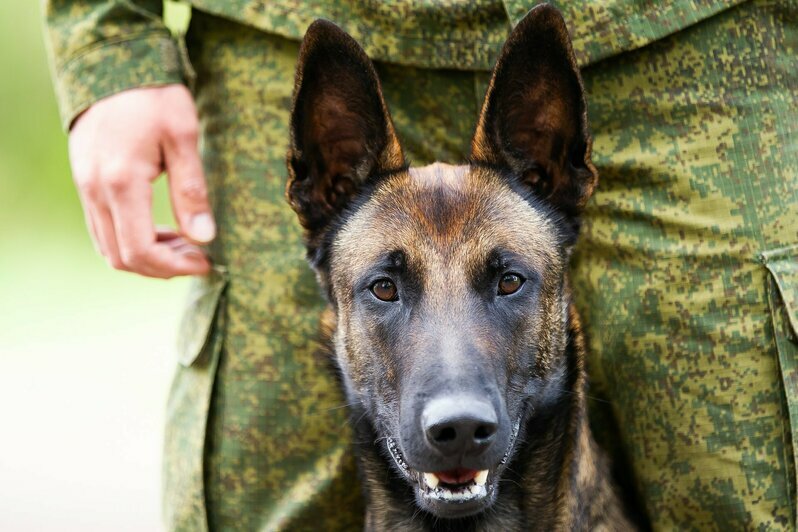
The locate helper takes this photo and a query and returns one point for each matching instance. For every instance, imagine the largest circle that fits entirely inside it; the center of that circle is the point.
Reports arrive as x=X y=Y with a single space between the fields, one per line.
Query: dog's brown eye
x=385 y=290
x=510 y=283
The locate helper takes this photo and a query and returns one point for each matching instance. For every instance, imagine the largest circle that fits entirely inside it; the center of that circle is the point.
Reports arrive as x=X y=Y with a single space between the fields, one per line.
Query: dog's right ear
x=341 y=132
x=534 y=118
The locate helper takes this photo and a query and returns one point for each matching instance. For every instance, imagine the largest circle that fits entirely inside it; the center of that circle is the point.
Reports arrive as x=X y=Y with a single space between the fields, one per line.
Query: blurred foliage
x=34 y=178
x=86 y=352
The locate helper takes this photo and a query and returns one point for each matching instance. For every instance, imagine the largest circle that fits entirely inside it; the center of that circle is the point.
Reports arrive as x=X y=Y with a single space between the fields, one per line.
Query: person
x=686 y=273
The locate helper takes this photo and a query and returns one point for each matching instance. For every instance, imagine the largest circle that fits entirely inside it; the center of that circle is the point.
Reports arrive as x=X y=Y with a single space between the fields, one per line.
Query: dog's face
x=447 y=282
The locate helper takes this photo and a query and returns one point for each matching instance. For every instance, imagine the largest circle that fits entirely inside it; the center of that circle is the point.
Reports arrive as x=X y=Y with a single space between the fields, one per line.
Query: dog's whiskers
x=338 y=407
x=509 y=480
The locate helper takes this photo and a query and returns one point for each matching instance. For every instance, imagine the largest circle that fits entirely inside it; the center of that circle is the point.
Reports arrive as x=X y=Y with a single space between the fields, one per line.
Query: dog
x=450 y=317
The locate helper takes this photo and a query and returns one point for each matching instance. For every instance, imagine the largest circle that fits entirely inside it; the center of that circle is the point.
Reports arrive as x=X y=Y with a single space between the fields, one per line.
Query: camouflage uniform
x=687 y=270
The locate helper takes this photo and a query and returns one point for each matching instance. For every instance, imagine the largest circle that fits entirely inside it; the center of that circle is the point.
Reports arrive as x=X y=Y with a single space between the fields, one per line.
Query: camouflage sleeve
x=100 y=47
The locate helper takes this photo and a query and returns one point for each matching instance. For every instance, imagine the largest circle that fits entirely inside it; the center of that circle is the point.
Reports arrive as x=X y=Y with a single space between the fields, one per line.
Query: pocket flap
x=199 y=315
x=783 y=265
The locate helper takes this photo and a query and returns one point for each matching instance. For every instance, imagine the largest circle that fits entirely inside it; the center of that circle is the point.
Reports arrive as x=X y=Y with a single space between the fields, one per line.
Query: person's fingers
x=164 y=262
x=187 y=188
x=89 y=194
x=165 y=233
x=129 y=199
x=176 y=242
x=92 y=227
x=199 y=261
x=106 y=236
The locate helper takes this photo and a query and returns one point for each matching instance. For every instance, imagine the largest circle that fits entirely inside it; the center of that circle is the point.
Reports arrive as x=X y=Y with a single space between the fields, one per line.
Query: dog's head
x=448 y=283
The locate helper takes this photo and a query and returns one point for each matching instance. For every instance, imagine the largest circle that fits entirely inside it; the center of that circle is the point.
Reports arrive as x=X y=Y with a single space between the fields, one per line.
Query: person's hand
x=117 y=148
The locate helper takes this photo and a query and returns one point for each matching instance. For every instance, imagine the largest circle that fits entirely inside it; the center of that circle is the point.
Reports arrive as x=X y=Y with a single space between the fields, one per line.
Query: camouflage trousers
x=686 y=276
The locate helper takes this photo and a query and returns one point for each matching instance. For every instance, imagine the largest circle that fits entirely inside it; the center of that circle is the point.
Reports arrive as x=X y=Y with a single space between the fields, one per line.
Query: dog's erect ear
x=534 y=118
x=341 y=132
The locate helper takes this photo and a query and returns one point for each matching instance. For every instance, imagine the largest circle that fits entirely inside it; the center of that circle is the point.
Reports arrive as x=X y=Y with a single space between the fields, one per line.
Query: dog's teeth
x=431 y=480
x=481 y=477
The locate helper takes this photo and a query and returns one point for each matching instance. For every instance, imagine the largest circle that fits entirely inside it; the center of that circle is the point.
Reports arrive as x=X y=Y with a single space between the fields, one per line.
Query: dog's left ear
x=341 y=131
x=534 y=118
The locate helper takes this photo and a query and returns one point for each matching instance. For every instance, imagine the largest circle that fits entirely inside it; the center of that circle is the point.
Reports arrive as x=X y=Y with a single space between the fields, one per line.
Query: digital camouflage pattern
x=686 y=272
x=128 y=37
x=695 y=140
x=277 y=449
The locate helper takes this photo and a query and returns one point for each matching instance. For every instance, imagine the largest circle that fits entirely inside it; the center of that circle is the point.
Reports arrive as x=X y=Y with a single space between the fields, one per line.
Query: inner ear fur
x=341 y=131
x=534 y=118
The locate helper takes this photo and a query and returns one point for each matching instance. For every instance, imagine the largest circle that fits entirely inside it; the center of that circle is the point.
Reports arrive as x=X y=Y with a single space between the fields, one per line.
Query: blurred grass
x=85 y=352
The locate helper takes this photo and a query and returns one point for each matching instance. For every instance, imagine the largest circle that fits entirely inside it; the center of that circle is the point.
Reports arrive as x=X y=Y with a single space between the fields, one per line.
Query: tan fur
x=490 y=215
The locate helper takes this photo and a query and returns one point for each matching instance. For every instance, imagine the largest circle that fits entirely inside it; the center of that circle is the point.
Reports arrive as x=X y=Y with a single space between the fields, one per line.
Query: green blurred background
x=86 y=352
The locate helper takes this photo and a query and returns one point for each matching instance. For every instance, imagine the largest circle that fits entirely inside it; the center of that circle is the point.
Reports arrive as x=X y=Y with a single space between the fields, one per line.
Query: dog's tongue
x=460 y=475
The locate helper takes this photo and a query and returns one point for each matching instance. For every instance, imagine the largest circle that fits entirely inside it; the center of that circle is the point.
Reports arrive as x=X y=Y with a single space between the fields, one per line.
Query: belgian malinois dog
x=450 y=316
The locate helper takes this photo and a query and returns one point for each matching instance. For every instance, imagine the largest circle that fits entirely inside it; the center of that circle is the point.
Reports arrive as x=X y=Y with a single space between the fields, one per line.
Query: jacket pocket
x=782 y=264
x=200 y=342
x=198 y=319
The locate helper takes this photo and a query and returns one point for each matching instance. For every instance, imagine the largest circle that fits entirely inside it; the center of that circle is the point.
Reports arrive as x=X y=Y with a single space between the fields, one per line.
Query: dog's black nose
x=459 y=425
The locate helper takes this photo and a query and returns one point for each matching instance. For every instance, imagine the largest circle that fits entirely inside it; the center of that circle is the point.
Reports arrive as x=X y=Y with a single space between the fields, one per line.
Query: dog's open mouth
x=459 y=491
x=456 y=484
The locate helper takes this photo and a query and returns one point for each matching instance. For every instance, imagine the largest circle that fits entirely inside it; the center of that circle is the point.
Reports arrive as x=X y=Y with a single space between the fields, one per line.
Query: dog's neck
x=555 y=462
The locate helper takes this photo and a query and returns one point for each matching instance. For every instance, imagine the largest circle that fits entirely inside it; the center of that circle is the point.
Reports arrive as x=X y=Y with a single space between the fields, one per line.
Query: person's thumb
x=187 y=188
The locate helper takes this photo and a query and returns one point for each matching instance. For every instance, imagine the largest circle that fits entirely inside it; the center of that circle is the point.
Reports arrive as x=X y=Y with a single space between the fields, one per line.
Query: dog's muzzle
x=454 y=492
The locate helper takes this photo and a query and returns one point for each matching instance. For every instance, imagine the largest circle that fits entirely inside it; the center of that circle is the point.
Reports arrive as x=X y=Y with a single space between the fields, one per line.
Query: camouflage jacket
x=98 y=48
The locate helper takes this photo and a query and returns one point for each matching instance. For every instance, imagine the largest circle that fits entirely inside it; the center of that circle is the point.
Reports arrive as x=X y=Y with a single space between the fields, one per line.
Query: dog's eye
x=510 y=283
x=385 y=290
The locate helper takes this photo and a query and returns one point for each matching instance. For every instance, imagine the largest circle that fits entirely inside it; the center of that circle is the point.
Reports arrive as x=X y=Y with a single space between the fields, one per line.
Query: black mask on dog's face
x=447 y=282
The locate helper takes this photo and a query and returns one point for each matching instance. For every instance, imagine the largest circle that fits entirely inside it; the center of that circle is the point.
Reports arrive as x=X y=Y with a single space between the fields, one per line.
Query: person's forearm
x=100 y=48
